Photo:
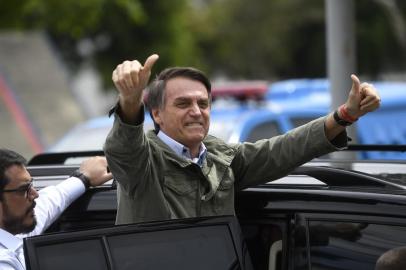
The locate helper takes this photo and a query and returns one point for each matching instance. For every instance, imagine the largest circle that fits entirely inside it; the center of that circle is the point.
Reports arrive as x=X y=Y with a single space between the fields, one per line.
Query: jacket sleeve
x=270 y=159
x=126 y=149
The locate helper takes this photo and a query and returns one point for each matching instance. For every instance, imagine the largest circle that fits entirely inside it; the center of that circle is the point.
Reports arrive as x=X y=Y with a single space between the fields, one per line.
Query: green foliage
x=118 y=29
x=286 y=38
x=264 y=39
x=257 y=39
x=379 y=49
x=70 y=17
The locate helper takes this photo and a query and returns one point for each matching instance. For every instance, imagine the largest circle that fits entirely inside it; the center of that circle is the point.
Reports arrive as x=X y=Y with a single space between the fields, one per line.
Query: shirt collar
x=182 y=150
x=10 y=241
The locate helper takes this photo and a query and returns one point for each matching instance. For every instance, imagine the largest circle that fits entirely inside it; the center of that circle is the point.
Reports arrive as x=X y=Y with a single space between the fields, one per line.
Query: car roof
x=90 y=135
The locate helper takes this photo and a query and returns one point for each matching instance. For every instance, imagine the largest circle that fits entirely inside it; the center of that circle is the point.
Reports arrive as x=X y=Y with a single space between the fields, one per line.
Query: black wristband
x=340 y=121
x=82 y=177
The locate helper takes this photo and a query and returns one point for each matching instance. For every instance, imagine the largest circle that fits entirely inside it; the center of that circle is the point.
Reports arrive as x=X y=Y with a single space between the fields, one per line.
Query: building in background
x=37 y=102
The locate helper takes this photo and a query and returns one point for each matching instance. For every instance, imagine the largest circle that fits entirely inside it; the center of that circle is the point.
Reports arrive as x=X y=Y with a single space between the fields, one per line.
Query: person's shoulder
x=213 y=140
x=215 y=145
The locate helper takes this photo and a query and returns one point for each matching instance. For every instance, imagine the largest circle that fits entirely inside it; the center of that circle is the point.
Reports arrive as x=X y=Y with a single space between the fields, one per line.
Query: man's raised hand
x=130 y=77
x=363 y=98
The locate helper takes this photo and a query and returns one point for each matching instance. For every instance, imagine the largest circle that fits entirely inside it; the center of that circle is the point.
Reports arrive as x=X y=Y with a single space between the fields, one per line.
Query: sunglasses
x=25 y=190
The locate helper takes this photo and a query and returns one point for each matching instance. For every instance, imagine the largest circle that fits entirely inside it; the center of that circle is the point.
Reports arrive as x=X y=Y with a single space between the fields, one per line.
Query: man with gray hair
x=178 y=170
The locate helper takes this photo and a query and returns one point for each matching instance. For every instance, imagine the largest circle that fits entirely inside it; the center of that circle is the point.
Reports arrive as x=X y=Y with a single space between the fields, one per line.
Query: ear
x=156 y=115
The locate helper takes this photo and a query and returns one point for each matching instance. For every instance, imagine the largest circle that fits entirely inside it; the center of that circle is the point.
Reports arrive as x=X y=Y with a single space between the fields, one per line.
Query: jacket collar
x=183 y=151
x=217 y=150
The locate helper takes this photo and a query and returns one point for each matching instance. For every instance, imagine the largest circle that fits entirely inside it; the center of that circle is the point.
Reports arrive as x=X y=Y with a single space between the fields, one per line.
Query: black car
x=325 y=215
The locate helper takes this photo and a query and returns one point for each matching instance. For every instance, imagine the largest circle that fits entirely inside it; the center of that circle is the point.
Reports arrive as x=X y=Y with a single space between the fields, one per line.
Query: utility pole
x=341 y=52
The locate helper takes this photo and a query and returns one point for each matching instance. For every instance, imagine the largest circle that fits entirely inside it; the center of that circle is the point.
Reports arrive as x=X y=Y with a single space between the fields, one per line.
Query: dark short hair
x=156 y=89
x=393 y=259
x=8 y=158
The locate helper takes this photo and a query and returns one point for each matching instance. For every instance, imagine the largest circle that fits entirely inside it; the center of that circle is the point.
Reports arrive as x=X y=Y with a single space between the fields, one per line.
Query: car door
x=199 y=243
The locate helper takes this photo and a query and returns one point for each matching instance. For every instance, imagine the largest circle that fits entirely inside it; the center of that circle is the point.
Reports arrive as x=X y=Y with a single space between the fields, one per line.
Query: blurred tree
x=381 y=37
x=259 y=39
x=263 y=39
x=108 y=31
x=286 y=38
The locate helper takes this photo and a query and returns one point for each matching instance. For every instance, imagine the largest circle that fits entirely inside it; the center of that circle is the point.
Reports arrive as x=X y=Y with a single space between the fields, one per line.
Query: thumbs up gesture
x=131 y=77
x=363 y=98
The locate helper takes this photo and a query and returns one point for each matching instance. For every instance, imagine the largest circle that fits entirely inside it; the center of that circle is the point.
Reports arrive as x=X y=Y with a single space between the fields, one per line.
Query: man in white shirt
x=24 y=211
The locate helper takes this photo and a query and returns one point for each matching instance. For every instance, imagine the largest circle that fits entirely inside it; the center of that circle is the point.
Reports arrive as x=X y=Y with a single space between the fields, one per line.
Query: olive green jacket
x=154 y=183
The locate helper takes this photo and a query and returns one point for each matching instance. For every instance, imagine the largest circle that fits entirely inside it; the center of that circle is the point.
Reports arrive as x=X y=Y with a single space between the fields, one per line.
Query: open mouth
x=194 y=124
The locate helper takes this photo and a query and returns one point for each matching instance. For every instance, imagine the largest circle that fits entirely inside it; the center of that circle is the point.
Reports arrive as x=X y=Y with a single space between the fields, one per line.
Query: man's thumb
x=150 y=62
x=355 y=83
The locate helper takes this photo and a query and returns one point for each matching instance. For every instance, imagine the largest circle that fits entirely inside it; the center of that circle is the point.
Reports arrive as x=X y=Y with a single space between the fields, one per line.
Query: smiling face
x=185 y=116
x=17 y=208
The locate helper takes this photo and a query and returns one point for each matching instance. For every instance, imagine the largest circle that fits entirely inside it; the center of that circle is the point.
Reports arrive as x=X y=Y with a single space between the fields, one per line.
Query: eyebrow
x=31 y=181
x=182 y=99
x=21 y=187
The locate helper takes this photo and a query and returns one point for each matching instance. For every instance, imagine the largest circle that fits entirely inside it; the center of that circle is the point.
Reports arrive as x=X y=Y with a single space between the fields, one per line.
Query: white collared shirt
x=11 y=248
x=182 y=150
x=52 y=201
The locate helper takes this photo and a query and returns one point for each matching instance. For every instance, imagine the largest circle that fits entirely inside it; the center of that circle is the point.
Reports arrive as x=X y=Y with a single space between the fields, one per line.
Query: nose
x=195 y=110
x=33 y=193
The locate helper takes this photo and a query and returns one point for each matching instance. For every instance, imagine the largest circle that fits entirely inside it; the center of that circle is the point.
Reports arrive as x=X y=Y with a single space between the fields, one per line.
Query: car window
x=345 y=244
x=264 y=241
